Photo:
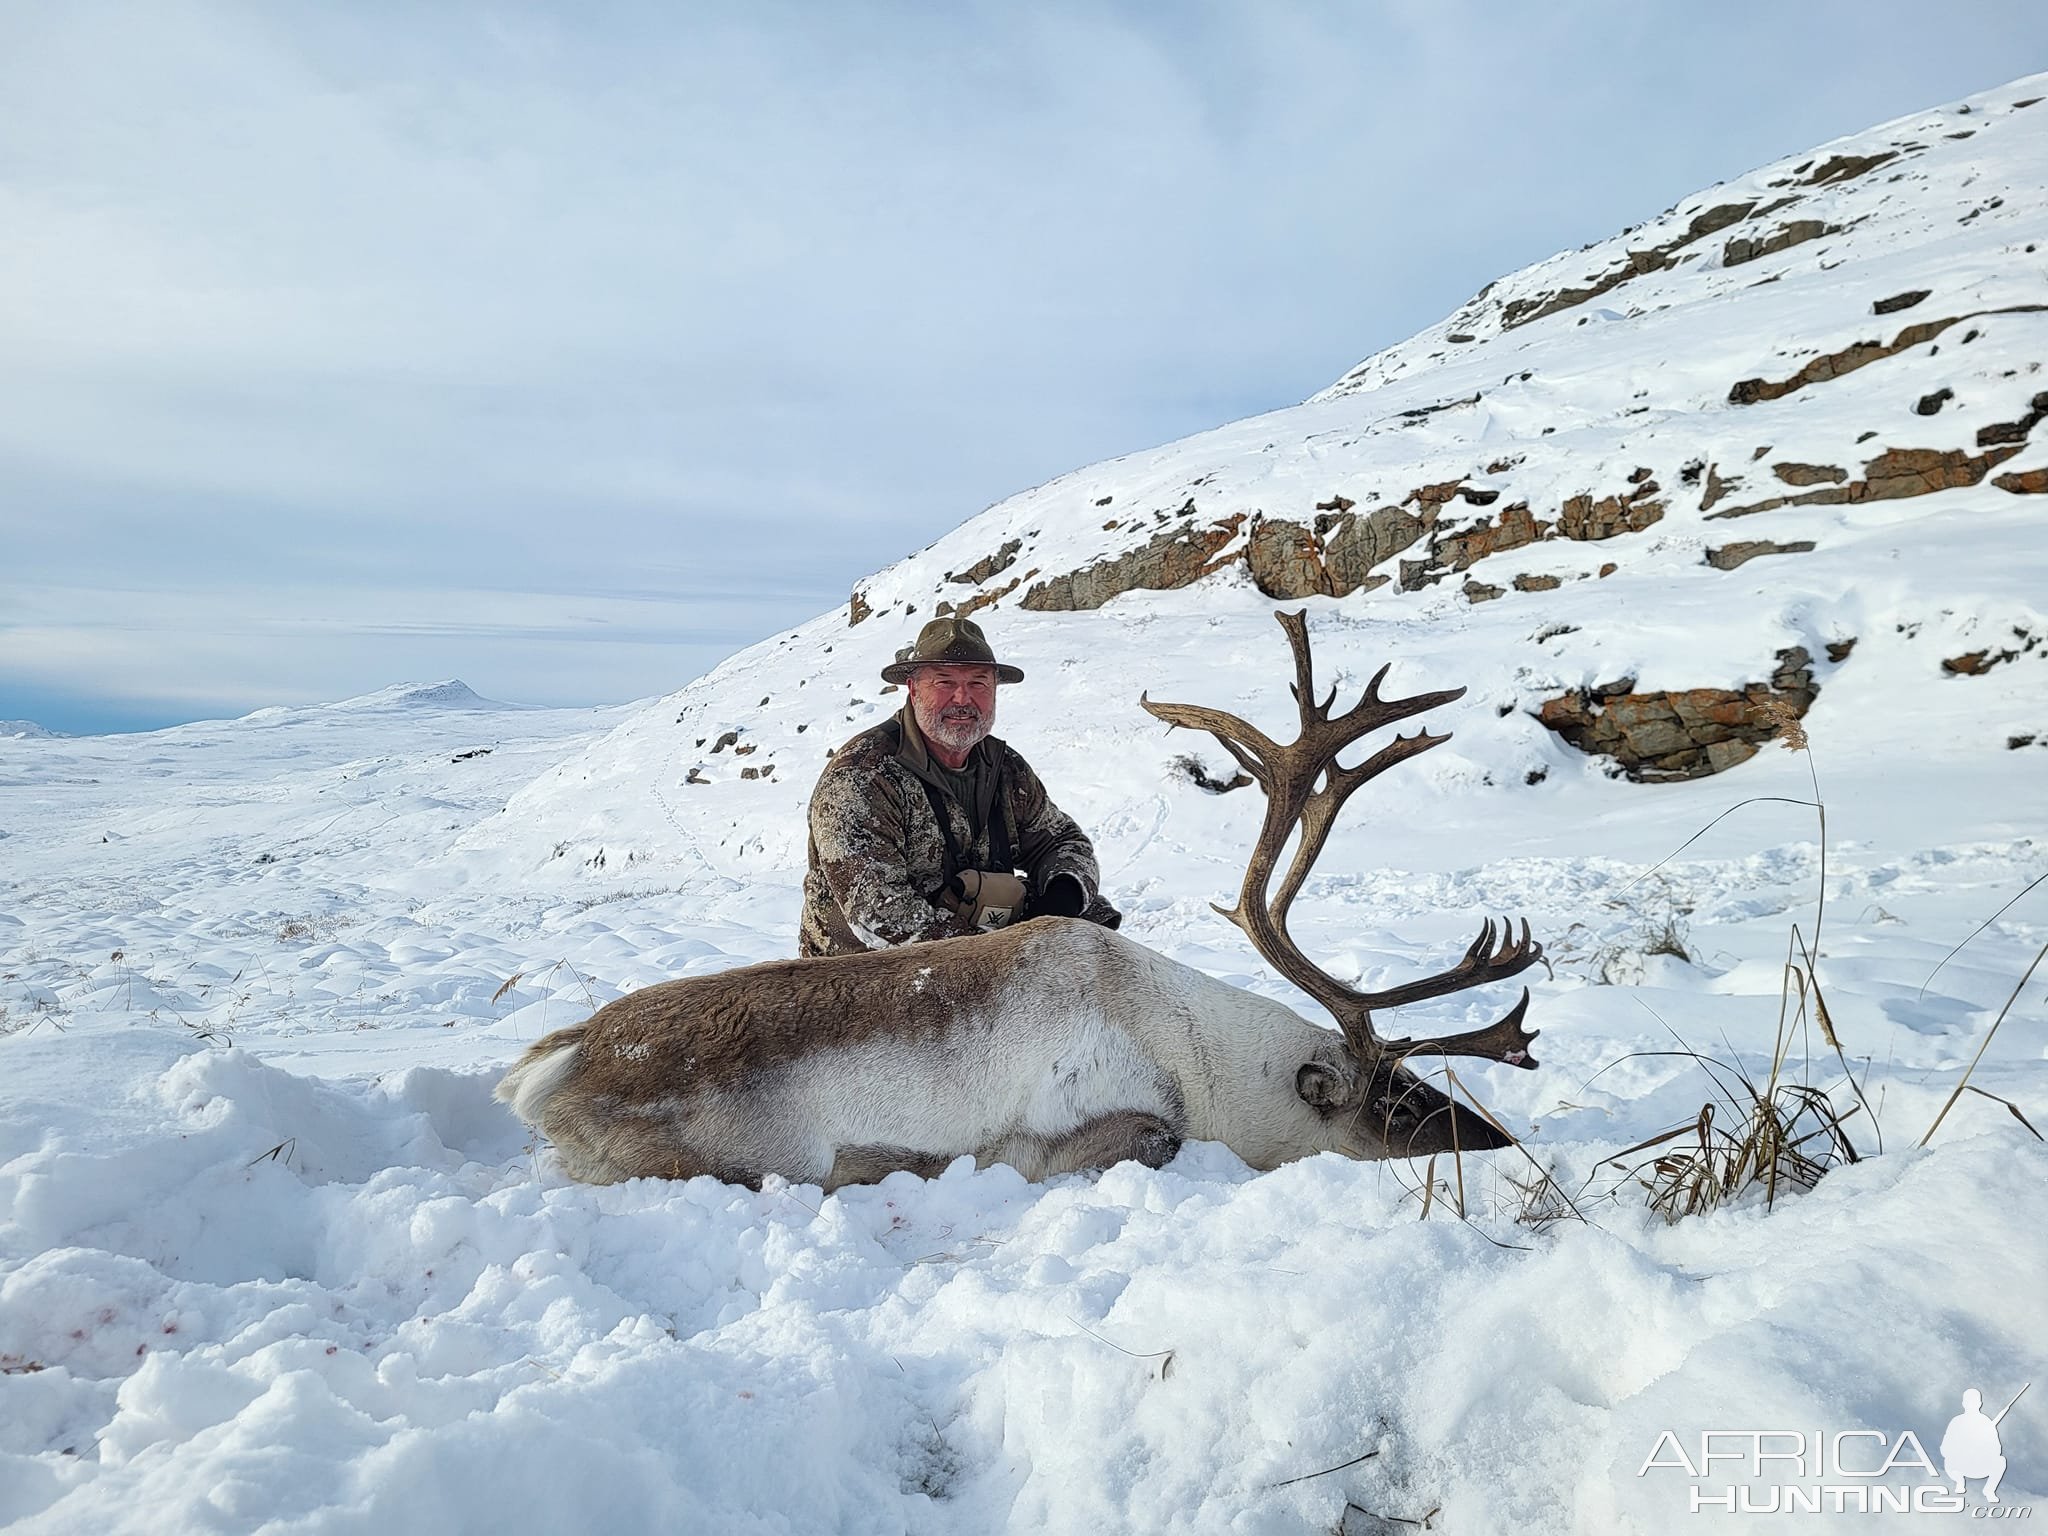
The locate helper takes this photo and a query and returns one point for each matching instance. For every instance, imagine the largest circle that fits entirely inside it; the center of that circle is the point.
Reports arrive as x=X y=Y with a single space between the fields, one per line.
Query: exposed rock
x=1729 y=556
x=1928 y=405
x=2015 y=431
x=2024 y=482
x=1689 y=733
x=1285 y=559
x=982 y=600
x=1536 y=583
x=1861 y=355
x=1977 y=663
x=1717 y=488
x=1480 y=592
x=1810 y=474
x=1171 y=560
x=1895 y=473
x=1586 y=519
x=988 y=566
x=1834 y=365
x=1920 y=471
x=1743 y=249
x=857 y=609
x=1636 y=264
x=724 y=741
x=1849 y=167
x=1354 y=545
x=1838 y=650
x=1899 y=301
x=1514 y=528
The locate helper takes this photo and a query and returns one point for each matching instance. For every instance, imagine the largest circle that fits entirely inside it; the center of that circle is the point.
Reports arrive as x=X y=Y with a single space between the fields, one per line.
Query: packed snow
x=271 y=1257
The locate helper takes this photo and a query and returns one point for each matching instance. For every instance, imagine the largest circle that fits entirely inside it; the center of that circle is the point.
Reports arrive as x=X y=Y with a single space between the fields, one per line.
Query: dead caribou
x=1052 y=1046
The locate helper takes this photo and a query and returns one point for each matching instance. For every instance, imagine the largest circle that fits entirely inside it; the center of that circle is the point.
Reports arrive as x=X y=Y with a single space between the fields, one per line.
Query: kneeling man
x=927 y=827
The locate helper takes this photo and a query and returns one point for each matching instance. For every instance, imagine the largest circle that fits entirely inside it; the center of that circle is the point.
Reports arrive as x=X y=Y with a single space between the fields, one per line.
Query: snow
x=271 y=1258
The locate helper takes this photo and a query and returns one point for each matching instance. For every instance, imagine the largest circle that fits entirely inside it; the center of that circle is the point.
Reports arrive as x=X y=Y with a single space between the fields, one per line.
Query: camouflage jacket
x=877 y=856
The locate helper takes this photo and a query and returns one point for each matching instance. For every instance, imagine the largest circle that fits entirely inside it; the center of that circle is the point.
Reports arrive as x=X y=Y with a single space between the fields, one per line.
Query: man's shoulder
x=865 y=753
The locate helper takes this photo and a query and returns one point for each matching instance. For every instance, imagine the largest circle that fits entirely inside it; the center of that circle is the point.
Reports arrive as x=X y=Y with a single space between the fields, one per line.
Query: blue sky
x=568 y=349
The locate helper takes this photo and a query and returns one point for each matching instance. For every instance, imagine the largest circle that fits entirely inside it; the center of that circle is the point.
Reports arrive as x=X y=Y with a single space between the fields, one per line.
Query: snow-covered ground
x=271 y=1258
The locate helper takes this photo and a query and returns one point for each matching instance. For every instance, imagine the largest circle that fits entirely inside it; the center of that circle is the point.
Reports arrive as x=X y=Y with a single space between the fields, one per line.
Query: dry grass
x=1771 y=1138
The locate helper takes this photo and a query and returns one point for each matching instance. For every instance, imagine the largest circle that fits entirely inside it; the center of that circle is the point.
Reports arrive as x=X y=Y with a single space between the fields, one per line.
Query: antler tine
x=1504 y=1040
x=1494 y=956
x=1305 y=788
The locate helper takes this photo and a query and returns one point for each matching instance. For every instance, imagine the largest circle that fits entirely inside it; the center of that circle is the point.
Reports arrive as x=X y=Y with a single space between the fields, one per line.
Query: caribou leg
x=1124 y=1135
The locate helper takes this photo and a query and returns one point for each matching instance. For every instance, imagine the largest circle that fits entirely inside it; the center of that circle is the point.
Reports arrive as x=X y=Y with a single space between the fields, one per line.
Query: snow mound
x=243 y=1299
x=27 y=730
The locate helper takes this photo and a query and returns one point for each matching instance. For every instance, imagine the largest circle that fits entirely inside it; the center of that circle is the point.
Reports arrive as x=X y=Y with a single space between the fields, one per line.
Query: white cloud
x=458 y=299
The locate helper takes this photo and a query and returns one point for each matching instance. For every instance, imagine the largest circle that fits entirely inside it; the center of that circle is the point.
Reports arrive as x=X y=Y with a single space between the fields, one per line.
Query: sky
x=567 y=349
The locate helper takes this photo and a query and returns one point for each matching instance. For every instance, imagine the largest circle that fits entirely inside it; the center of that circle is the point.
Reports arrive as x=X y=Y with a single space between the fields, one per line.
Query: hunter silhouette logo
x=1852 y=1471
x=1970 y=1448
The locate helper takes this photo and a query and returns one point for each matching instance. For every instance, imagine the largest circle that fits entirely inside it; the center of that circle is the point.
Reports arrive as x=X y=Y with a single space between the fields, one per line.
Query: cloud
x=442 y=303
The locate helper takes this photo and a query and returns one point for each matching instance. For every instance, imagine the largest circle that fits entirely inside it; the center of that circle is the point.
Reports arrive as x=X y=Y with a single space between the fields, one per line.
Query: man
x=920 y=825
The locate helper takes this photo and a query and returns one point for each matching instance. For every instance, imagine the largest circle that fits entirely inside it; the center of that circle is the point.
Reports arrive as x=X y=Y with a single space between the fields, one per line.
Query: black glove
x=1063 y=896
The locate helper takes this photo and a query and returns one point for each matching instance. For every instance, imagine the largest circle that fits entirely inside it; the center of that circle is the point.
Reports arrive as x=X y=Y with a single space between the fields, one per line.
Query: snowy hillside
x=1554 y=490
x=272 y=1259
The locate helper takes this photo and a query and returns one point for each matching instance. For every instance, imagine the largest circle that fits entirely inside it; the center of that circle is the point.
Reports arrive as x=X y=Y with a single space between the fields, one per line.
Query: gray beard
x=955 y=736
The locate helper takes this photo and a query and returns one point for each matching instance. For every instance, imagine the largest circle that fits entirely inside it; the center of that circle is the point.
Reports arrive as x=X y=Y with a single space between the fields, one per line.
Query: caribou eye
x=1394 y=1113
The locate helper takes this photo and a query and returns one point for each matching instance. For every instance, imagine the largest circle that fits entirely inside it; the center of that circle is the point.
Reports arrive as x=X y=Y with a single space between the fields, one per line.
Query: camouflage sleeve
x=1049 y=841
x=858 y=830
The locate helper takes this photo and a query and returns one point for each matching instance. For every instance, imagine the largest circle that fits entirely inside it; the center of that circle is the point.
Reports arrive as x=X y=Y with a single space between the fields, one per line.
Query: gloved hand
x=1062 y=897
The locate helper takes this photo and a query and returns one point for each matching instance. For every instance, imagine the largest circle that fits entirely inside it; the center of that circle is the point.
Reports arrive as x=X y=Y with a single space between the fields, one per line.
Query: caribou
x=1053 y=1045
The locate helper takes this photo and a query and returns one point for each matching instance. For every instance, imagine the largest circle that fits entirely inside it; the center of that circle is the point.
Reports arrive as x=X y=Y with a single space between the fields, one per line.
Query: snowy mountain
x=1775 y=453
x=1768 y=467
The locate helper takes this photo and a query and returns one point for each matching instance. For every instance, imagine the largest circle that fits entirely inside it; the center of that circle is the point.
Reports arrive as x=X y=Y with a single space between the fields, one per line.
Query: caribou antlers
x=1305 y=787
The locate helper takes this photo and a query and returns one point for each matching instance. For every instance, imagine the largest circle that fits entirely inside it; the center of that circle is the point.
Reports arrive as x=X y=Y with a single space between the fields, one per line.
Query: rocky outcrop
x=1686 y=733
x=1895 y=473
x=1611 y=516
x=1977 y=663
x=1747 y=248
x=1177 y=558
x=1849 y=167
x=1742 y=551
x=988 y=566
x=1656 y=259
x=2015 y=431
x=1862 y=354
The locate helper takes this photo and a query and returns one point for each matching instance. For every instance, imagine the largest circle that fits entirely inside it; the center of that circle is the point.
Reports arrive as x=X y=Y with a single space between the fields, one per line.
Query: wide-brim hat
x=949 y=643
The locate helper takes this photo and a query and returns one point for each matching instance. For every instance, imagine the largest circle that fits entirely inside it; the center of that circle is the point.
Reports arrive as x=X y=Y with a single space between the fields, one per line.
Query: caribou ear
x=1323 y=1087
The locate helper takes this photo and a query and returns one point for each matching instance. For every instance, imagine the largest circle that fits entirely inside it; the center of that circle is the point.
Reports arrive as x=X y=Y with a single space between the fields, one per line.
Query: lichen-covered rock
x=1285 y=559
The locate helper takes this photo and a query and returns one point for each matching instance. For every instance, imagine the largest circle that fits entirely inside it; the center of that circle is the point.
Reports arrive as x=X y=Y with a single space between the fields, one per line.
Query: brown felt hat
x=949 y=643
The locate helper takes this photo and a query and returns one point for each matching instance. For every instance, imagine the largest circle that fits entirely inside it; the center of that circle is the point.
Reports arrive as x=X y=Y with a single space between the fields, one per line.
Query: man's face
x=954 y=706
